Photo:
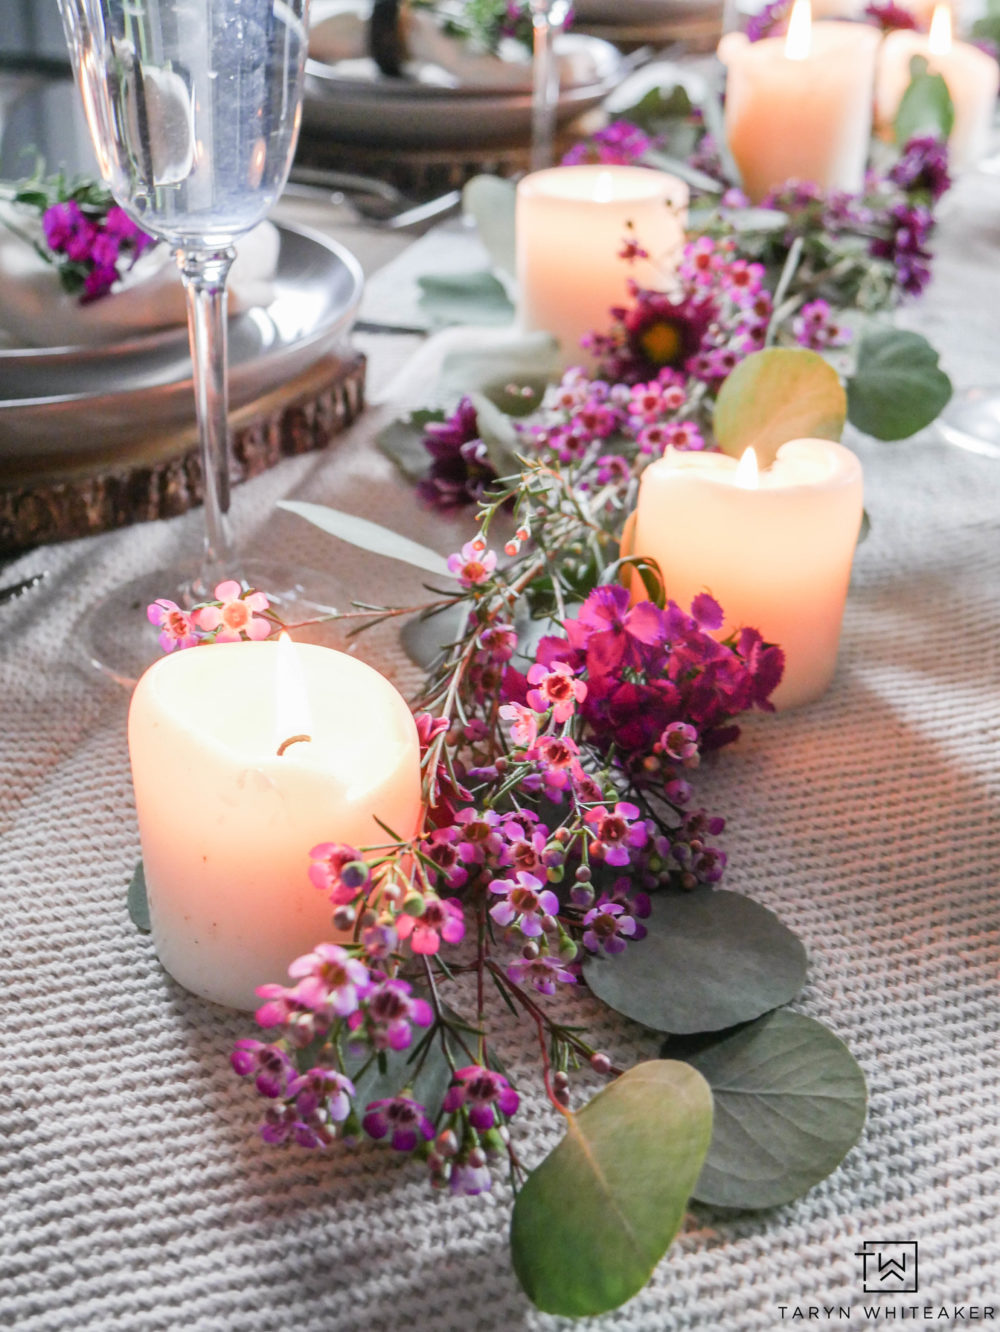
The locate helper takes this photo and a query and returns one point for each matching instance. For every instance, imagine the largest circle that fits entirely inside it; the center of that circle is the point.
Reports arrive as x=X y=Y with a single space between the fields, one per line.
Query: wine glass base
x=116 y=638
x=972 y=421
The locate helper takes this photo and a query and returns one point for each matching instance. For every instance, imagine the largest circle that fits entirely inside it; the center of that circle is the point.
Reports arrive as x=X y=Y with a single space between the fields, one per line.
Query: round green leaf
x=790 y=1103
x=709 y=960
x=775 y=395
x=596 y=1216
x=898 y=386
x=491 y=202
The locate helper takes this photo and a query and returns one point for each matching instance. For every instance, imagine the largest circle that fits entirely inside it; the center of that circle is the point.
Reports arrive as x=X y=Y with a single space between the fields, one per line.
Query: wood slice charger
x=161 y=476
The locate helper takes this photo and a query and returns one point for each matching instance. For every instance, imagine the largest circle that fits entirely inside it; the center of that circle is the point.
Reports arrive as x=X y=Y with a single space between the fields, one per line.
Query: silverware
x=376 y=201
x=14 y=590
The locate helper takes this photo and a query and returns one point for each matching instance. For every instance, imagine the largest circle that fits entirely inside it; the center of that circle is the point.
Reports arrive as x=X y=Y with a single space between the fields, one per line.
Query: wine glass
x=548 y=18
x=193 y=108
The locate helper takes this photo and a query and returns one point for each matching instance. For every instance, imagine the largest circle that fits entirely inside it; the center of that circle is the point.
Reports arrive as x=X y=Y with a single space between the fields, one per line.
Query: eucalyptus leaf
x=790 y=1103
x=656 y=106
x=465 y=298
x=483 y=368
x=517 y=397
x=898 y=387
x=776 y=395
x=594 y=1219
x=710 y=959
x=403 y=442
x=749 y=221
x=699 y=180
x=491 y=201
x=925 y=107
x=369 y=536
x=499 y=434
x=138 y=900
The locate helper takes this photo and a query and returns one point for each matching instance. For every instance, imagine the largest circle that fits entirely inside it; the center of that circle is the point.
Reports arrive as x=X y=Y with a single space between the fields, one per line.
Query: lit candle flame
x=747 y=475
x=939 y=37
x=798 y=39
x=291 y=706
x=604 y=187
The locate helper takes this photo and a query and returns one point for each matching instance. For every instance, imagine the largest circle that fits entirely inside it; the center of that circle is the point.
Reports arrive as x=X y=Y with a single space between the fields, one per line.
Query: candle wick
x=292 y=740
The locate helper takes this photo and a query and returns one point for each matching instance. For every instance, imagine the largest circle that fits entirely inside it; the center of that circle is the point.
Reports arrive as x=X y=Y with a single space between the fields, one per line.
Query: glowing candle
x=971 y=75
x=241 y=764
x=798 y=107
x=774 y=548
x=571 y=224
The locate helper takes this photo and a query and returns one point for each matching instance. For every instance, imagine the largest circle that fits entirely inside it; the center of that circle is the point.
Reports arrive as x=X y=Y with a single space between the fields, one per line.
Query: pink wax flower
x=177 y=628
x=238 y=615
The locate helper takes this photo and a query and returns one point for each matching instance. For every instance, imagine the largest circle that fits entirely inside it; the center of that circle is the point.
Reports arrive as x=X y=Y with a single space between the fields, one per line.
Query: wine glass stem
x=204 y=276
x=547 y=20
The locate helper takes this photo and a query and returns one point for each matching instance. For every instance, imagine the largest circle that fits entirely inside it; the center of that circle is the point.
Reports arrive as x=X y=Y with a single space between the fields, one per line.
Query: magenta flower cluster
x=619 y=144
x=716 y=314
x=99 y=247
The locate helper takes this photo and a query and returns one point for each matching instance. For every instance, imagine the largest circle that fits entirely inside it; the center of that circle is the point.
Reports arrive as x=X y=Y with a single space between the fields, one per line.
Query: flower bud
x=550 y=925
x=446 y=1143
x=555 y=874
x=355 y=874
x=600 y=1063
x=414 y=905
x=581 y=895
x=344 y=917
x=582 y=874
x=477 y=1158
x=530 y=951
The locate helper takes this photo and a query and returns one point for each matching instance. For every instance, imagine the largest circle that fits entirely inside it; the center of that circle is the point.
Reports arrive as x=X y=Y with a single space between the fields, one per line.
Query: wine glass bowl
x=193 y=108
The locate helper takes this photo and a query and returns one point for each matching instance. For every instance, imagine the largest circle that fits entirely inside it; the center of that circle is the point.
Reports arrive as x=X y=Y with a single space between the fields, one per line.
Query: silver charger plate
x=356 y=103
x=76 y=402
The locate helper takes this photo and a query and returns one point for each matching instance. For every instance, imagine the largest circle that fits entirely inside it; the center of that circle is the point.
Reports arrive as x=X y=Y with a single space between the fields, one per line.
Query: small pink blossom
x=524 y=724
x=442 y=919
x=555 y=688
x=473 y=565
x=177 y=629
x=238 y=615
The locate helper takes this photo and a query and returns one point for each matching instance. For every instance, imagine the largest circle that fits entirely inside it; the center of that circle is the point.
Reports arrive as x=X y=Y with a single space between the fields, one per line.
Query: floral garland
x=561 y=728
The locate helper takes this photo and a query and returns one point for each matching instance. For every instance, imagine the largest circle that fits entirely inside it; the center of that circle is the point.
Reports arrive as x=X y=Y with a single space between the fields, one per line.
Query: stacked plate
x=696 y=22
x=63 y=407
x=352 y=101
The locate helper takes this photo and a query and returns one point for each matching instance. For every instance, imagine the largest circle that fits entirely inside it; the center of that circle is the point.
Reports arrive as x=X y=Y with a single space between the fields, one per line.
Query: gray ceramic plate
x=358 y=104
x=70 y=400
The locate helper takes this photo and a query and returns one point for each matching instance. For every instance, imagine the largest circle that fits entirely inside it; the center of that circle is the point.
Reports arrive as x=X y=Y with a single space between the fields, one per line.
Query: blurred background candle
x=798 y=107
x=774 y=548
x=227 y=823
x=571 y=224
x=971 y=75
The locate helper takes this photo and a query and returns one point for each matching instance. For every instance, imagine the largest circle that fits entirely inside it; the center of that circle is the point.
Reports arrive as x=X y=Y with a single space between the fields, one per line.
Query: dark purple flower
x=890 y=16
x=404 y=1121
x=323 y=1092
x=612 y=632
x=544 y=972
x=608 y=928
x=769 y=21
x=387 y=1009
x=484 y=1093
x=269 y=1065
x=460 y=471
x=524 y=902
x=923 y=167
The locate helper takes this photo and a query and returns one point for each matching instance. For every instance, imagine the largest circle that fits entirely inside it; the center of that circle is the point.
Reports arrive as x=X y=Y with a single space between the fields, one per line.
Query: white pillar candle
x=227 y=824
x=971 y=75
x=571 y=224
x=798 y=107
x=774 y=549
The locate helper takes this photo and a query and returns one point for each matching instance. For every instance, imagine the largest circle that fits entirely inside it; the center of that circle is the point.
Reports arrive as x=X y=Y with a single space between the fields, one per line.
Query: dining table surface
x=135 y=1192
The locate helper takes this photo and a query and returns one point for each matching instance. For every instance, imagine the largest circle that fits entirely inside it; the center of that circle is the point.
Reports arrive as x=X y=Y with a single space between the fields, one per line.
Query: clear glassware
x=193 y=108
x=548 y=18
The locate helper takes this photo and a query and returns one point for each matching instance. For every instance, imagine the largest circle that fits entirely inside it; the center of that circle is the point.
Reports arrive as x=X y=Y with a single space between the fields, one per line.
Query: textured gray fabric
x=135 y=1194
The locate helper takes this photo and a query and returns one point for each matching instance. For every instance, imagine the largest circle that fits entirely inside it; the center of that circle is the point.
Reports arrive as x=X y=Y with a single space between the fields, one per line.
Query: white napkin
x=36 y=312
